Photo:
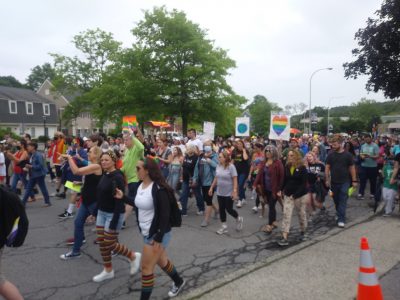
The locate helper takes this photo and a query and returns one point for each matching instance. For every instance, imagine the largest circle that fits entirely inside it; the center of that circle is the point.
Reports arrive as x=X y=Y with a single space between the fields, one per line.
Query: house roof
x=11 y=93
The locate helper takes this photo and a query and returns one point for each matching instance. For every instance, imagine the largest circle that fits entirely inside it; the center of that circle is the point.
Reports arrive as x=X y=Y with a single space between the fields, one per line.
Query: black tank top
x=89 y=188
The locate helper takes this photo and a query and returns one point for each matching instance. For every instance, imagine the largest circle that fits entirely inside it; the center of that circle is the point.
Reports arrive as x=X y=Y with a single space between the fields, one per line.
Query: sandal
x=267 y=228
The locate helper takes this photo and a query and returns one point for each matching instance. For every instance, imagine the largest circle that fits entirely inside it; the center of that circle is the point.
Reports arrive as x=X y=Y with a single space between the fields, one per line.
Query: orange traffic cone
x=368 y=285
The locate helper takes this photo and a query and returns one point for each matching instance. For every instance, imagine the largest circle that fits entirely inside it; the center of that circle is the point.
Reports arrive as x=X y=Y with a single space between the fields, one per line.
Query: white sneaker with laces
x=340 y=224
x=223 y=229
x=135 y=264
x=239 y=204
x=104 y=275
x=255 y=209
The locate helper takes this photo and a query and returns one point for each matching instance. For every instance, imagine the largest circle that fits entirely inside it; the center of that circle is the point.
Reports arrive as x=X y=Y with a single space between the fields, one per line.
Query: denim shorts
x=165 y=241
x=104 y=219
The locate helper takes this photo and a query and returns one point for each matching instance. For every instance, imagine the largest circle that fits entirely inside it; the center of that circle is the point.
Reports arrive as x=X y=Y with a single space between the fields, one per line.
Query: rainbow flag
x=129 y=124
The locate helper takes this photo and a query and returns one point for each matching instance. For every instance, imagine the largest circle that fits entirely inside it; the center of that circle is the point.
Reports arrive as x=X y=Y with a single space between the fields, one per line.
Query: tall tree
x=10 y=81
x=39 y=74
x=378 y=54
x=260 y=111
x=189 y=70
x=78 y=76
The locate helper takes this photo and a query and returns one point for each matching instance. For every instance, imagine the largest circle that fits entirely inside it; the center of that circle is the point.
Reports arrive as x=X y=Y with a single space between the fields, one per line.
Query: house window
x=29 y=108
x=33 y=132
x=12 y=106
x=46 y=109
x=47 y=92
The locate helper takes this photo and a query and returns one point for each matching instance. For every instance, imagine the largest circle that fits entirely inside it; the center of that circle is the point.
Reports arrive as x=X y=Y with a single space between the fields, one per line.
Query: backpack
x=14 y=222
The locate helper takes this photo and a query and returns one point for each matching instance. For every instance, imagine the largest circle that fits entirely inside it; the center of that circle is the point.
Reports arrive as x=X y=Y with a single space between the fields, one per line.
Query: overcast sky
x=277 y=44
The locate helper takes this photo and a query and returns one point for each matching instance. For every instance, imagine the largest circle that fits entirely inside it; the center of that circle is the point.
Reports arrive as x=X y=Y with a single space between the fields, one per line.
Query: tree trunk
x=184 y=124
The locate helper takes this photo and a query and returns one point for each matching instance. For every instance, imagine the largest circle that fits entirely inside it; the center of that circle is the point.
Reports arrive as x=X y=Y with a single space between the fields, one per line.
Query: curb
x=211 y=286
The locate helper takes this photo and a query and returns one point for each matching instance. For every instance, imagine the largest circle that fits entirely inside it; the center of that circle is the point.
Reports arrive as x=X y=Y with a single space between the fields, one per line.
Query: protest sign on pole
x=280 y=126
x=242 y=126
x=208 y=131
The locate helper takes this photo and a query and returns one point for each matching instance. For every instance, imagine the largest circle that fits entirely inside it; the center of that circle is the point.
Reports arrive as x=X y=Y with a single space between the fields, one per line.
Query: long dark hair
x=155 y=174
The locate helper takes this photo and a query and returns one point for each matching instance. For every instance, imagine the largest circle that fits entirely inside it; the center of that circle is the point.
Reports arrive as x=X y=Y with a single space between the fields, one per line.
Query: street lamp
x=309 y=107
x=44 y=126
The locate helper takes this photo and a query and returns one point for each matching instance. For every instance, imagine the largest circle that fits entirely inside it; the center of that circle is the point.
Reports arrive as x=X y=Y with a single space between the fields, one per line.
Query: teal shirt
x=371 y=149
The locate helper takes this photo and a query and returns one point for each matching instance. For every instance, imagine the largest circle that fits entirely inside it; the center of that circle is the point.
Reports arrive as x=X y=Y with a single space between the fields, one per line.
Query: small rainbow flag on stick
x=129 y=124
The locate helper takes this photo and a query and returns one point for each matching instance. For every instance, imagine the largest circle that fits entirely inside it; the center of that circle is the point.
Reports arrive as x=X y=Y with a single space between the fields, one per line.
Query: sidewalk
x=324 y=268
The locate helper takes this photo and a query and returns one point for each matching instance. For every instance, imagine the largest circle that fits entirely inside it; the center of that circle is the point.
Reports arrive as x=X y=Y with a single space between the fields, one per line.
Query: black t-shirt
x=339 y=166
x=312 y=172
x=189 y=162
x=397 y=158
x=241 y=165
x=105 y=199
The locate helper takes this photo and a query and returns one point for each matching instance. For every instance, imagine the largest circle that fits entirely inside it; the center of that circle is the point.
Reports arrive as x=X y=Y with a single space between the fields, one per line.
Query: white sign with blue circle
x=242 y=126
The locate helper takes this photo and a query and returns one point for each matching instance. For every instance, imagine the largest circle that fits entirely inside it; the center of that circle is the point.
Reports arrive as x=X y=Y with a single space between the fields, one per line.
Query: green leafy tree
x=10 y=81
x=378 y=52
x=367 y=112
x=260 y=111
x=39 y=74
x=81 y=75
x=187 y=68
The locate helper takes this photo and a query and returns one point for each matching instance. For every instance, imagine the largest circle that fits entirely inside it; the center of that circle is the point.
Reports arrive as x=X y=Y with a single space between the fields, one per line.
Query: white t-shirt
x=2 y=164
x=145 y=205
x=196 y=142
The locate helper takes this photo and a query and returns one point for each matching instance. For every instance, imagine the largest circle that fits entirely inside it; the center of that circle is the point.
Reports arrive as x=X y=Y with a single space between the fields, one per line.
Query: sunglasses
x=268 y=150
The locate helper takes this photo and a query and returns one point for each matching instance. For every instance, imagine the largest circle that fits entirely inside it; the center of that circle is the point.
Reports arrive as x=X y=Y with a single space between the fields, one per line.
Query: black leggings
x=226 y=205
x=272 y=209
x=207 y=199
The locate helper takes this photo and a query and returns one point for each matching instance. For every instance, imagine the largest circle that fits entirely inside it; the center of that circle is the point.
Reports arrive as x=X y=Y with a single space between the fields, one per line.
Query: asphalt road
x=198 y=253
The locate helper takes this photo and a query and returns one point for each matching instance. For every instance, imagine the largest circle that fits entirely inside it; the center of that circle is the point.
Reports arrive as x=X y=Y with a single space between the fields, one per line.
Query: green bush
x=4 y=132
x=43 y=139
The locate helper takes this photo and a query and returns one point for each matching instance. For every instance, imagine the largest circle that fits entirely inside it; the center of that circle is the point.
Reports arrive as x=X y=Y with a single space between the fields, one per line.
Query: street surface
x=200 y=255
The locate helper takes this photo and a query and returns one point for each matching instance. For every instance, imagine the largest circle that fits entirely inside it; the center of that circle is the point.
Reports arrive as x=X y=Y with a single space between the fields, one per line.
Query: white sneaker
x=104 y=275
x=239 y=204
x=200 y=213
x=239 y=223
x=244 y=202
x=255 y=209
x=223 y=229
x=135 y=264
x=340 y=224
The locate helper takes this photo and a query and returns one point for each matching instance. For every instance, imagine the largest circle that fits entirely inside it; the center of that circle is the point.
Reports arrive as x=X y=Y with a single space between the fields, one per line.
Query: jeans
x=165 y=172
x=185 y=197
x=15 y=179
x=371 y=174
x=104 y=219
x=165 y=240
x=226 y=205
x=241 y=182
x=340 y=196
x=42 y=185
x=81 y=215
